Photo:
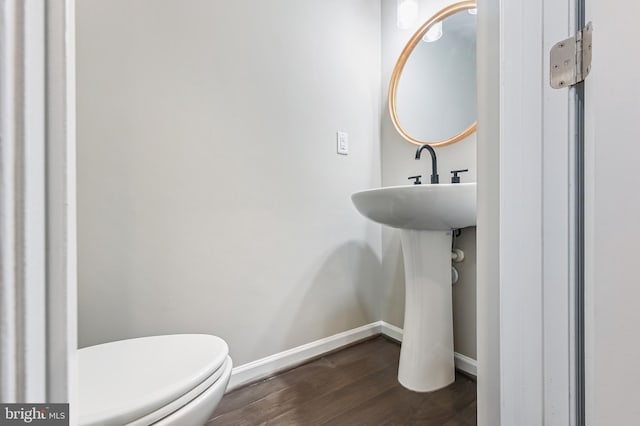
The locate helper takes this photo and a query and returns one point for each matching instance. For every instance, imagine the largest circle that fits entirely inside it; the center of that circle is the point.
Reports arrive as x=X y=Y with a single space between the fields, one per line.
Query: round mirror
x=432 y=95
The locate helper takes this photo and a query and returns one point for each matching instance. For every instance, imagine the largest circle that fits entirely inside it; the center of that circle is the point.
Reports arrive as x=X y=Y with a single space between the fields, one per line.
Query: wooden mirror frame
x=402 y=60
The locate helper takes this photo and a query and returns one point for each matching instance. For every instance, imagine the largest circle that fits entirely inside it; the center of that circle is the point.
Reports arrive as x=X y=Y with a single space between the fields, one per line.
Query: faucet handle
x=455 y=178
x=417 y=179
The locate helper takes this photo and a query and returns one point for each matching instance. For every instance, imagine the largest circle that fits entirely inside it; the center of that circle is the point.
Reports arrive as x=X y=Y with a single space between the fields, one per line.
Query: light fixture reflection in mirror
x=434 y=33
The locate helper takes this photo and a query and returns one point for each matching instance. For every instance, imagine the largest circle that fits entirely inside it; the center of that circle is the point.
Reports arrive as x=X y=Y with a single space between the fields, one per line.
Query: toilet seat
x=159 y=417
x=142 y=380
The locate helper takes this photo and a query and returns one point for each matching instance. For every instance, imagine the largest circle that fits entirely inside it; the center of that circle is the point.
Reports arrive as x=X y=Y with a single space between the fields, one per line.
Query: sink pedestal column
x=426 y=356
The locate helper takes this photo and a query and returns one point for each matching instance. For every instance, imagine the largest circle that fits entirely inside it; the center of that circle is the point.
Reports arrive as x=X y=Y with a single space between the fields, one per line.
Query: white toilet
x=161 y=380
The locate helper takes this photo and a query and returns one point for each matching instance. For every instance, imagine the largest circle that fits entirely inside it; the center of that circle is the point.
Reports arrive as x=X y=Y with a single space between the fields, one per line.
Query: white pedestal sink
x=425 y=214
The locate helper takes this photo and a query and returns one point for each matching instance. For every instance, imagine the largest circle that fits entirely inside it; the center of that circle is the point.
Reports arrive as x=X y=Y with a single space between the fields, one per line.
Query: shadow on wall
x=393 y=287
x=341 y=293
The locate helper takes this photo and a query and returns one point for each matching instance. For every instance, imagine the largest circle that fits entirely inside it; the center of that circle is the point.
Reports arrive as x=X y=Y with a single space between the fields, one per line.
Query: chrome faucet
x=434 y=162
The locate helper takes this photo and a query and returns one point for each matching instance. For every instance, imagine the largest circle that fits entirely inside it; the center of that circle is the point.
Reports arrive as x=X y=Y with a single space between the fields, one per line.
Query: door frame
x=538 y=215
x=38 y=325
x=62 y=304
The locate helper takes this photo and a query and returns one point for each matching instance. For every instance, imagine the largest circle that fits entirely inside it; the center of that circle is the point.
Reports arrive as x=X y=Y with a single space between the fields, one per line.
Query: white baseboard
x=265 y=367
x=275 y=363
x=463 y=362
x=466 y=364
x=391 y=331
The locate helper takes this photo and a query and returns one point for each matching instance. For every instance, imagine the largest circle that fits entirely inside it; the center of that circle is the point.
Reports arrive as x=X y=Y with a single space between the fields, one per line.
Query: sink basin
x=435 y=207
x=425 y=214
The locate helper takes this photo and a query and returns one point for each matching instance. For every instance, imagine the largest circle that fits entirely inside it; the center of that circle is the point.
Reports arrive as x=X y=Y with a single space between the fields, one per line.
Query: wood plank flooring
x=355 y=386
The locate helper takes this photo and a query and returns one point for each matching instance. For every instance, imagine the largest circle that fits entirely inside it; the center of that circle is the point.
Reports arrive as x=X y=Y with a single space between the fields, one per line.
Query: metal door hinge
x=571 y=59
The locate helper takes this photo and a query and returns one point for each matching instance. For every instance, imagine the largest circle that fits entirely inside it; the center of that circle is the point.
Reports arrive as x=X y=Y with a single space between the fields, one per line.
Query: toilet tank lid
x=122 y=381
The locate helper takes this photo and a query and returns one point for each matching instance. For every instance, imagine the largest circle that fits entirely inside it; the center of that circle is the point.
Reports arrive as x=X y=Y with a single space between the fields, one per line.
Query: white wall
x=211 y=198
x=397 y=164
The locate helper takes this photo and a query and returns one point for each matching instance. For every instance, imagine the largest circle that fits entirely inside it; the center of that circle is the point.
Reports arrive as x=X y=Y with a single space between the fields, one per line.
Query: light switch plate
x=343 y=143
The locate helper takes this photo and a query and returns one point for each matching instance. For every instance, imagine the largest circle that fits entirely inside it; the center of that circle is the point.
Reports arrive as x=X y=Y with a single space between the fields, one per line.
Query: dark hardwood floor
x=355 y=386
